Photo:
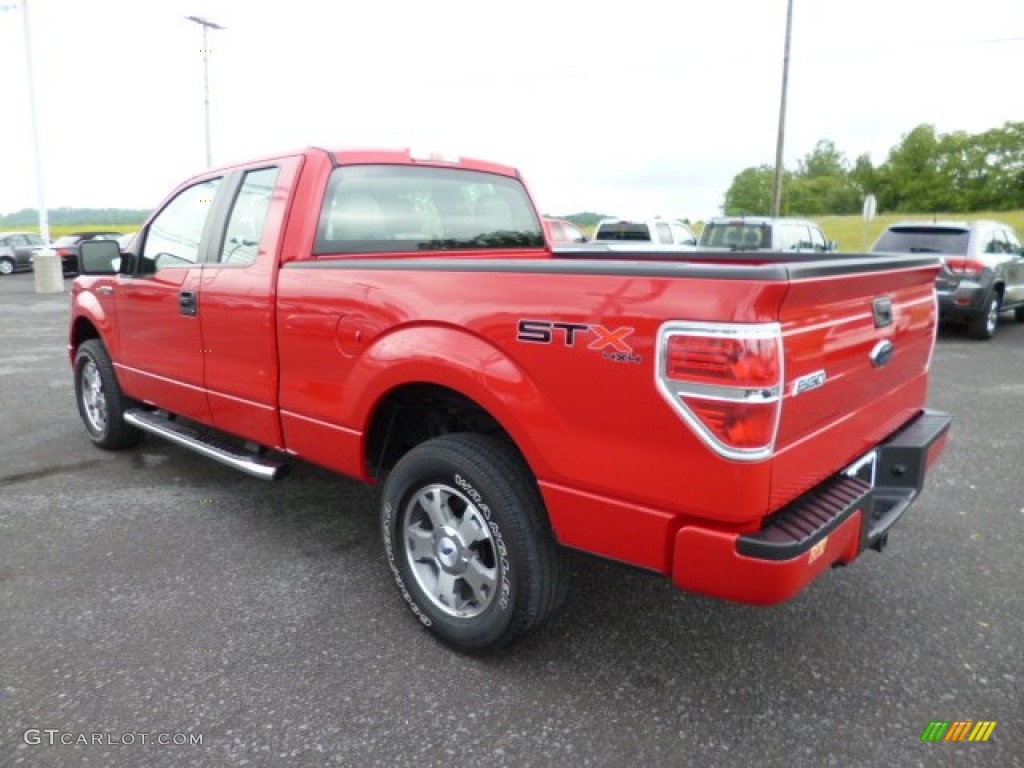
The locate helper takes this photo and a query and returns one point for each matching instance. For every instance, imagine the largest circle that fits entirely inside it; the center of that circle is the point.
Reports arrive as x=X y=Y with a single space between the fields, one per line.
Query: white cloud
x=641 y=109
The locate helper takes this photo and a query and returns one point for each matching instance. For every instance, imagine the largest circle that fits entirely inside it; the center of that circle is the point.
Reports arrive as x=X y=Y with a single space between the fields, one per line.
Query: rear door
x=238 y=308
x=1014 y=271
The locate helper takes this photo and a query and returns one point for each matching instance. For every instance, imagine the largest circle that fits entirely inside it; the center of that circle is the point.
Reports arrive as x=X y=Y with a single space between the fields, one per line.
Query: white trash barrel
x=47 y=268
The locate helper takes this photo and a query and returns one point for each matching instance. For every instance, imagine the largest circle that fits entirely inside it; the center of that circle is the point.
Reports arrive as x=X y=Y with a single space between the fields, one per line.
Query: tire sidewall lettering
x=389 y=548
x=505 y=596
x=394 y=550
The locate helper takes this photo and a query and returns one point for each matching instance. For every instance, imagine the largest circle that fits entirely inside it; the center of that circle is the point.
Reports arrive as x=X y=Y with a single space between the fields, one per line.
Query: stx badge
x=611 y=344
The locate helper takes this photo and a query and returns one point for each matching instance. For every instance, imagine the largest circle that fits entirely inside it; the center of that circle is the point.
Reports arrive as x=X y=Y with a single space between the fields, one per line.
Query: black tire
x=984 y=325
x=100 y=401
x=7 y=266
x=488 y=570
x=1018 y=314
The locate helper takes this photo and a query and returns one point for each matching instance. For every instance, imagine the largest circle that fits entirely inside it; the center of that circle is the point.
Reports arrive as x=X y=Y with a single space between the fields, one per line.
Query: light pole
x=777 y=191
x=46 y=264
x=206 y=79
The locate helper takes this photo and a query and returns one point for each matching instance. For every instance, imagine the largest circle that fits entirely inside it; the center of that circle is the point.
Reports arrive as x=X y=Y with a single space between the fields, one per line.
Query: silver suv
x=761 y=233
x=982 y=268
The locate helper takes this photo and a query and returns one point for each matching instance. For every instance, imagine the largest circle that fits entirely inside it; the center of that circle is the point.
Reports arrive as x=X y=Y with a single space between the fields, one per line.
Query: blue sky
x=647 y=109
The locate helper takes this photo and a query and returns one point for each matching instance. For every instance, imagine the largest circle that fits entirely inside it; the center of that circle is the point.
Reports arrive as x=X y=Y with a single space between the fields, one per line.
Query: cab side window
x=818 y=242
x=789 y=237
x=248 y=217
x=993 y=243
x=173 y=238
x=682 y=236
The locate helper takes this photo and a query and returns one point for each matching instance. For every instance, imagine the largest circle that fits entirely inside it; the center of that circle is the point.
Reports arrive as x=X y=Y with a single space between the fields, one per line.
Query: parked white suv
x=664 y=232
x=761 y=233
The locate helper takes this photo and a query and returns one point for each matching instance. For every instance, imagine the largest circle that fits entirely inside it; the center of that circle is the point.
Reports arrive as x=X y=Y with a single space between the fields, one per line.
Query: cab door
x=159 y=335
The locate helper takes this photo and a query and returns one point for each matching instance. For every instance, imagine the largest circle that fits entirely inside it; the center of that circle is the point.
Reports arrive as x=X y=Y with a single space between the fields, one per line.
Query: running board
x=223 y=451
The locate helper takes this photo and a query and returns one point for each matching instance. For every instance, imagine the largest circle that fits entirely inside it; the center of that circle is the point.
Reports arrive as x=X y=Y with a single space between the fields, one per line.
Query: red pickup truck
x=737 y=422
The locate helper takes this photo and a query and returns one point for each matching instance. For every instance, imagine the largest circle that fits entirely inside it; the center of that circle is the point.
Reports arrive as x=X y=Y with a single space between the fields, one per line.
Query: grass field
x=852 y=234
x=62 y=230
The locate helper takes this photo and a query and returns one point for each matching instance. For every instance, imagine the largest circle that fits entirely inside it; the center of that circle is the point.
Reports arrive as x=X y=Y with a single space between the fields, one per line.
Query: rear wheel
x=100 y=401
x=468 y=541
x=1018 y=314
x=984 y=326
x=6 y=265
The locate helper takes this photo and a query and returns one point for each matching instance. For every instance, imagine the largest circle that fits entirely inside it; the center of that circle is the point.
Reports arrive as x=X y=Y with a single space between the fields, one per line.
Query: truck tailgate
x=857 y=348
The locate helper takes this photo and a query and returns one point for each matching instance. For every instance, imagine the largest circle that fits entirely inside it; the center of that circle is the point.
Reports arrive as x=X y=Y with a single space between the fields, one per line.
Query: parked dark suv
x=17 y=250
x=67 y=247
x=982 y=271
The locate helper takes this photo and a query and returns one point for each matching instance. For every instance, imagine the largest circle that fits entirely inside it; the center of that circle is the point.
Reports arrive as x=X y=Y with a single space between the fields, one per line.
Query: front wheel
x=984 y=326
x=100 y=402
x=6 y=266
x=468 y=541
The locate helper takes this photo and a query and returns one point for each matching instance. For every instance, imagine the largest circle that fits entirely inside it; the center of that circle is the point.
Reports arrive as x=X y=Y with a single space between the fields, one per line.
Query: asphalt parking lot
x=156 y=593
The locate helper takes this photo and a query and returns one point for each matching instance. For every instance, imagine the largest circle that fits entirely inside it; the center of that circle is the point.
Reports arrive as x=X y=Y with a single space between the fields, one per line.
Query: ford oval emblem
x=882 y=353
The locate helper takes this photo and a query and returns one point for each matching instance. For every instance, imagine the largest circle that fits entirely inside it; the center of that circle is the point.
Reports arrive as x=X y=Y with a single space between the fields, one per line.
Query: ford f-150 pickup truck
x=738 y=422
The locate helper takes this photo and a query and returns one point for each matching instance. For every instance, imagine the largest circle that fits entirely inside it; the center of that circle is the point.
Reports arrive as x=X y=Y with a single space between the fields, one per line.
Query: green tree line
x=926 y=172
x=114 y=217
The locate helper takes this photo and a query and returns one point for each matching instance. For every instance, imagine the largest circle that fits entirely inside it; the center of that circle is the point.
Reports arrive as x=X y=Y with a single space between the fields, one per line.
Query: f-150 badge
x=808 y=382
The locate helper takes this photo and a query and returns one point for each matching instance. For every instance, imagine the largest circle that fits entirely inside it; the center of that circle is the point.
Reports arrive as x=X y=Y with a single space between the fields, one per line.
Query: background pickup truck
x=665 y=233
x=736 y=422
x=762 y=233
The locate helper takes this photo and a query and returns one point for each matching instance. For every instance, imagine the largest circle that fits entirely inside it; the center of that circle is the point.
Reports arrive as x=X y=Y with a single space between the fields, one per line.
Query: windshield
x=384 y=208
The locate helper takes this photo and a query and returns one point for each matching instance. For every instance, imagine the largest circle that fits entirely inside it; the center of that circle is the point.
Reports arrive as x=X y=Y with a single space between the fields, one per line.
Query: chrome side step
x=156 y=423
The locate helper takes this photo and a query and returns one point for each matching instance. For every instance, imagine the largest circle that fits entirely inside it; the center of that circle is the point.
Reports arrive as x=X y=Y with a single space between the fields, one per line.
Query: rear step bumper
x=157 y=423
x=831 y=524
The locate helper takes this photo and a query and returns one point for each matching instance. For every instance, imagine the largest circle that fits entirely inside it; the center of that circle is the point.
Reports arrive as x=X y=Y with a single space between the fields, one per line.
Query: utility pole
x=777 y=192
x=206 y=79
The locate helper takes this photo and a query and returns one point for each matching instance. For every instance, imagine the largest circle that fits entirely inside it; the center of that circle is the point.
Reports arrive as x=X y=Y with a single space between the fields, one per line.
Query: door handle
x=187 y=303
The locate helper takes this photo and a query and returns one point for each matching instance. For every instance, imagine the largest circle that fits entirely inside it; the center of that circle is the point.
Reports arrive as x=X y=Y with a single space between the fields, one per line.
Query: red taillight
x=729 y=361
x=743 y=425
x=968 y=267
x=64 y=252
x=725 y=380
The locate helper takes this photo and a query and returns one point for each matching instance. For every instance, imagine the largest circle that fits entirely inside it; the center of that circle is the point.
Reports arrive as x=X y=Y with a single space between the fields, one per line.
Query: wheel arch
x=90 y=321
x=426 y=381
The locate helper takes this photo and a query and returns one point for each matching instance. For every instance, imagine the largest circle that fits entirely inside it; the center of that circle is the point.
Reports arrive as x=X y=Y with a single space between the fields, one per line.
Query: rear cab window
x=630 y=231
x=736 y=235
x=388 y=208
x=910 y=239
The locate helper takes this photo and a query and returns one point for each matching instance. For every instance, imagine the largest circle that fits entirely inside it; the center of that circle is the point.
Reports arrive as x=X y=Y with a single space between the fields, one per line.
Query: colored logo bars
x=958 y=730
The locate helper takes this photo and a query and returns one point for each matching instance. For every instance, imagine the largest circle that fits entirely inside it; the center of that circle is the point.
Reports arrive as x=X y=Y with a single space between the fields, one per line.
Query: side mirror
x=832 y=246
x=99 y=257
